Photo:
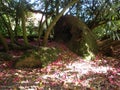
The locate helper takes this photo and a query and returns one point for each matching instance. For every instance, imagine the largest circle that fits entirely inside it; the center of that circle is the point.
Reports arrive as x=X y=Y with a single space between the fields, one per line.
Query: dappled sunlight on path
x=82 y=73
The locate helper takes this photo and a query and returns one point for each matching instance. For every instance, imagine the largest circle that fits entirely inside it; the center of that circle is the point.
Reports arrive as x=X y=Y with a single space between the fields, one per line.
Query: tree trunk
x=10 y=32
x=16 y=27
x=55 y=20
x=76 y=35
x=9 y=28
x=2 y=39
x=40 y=29
x=24 y=27
x=110 y=47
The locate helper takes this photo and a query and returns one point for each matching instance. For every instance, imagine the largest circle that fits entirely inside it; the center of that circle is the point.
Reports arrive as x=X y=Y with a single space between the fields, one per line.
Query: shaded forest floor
x=67 y=72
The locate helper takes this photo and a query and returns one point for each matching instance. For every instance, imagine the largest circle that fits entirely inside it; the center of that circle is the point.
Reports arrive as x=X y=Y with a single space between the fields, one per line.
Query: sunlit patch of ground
x=68 y=72
x=83 y=74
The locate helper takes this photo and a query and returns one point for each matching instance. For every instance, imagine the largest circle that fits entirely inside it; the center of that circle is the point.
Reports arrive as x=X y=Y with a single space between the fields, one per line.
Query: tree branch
x=39 y=11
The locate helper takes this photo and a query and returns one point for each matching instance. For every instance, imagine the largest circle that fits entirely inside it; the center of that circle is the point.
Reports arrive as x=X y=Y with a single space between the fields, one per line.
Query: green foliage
x=30 y=29
x=19 y=31
x=93 y=12
x=2 y=29
x=37 y=58
x=108 y=30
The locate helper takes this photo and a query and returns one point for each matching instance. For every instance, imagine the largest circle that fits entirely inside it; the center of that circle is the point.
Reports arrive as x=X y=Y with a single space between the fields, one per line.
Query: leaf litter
x=67 y=72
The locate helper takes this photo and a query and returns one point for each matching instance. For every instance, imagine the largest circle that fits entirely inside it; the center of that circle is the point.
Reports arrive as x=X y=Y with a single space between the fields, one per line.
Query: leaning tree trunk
x=9 y=28
x=55 y=20
x=76 y=35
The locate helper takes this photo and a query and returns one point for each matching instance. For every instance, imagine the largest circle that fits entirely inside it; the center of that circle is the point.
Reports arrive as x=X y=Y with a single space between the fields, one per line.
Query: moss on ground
x=37 y=58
